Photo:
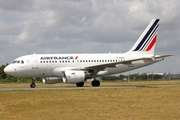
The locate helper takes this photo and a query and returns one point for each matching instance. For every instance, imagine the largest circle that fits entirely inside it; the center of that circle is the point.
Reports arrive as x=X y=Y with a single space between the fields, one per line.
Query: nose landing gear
x=33 y=85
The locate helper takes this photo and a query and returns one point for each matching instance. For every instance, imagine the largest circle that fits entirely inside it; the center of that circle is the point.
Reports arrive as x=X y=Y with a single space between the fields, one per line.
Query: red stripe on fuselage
x=151 y=44
x=76 y=57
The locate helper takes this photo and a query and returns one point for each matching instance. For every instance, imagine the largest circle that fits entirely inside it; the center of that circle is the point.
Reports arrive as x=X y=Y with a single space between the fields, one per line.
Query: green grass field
x=116 y=103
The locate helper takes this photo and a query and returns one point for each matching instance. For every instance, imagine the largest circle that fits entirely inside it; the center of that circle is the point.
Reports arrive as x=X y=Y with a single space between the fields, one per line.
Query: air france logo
x=76 y=57
x=59 y=58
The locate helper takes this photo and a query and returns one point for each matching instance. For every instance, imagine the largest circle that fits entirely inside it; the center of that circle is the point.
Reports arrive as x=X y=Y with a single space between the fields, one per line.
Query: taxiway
x=87 y=87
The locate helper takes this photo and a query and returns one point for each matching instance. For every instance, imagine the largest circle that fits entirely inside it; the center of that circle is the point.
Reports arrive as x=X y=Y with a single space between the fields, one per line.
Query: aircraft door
x=34 y=62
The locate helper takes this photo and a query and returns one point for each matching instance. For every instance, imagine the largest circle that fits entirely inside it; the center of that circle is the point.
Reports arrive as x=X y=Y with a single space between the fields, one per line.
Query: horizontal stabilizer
x=163 y=56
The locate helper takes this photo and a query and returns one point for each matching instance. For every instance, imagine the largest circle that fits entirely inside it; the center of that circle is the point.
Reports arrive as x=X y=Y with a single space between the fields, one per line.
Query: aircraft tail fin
x=147 y=41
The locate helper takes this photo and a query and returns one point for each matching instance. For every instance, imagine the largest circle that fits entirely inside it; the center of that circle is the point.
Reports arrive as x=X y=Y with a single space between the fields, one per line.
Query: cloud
x=85 y=26
x=20 y=5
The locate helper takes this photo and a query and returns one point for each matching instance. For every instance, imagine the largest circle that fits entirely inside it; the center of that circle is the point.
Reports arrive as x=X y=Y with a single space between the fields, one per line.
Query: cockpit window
x=14 y=61
x=18 y=61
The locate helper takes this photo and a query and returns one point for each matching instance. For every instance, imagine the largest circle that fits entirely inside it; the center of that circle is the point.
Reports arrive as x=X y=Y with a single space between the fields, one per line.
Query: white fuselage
x=53 y=65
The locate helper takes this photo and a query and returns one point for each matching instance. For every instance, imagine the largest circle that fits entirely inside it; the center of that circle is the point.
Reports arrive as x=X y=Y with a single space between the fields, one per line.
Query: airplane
x=77 y=68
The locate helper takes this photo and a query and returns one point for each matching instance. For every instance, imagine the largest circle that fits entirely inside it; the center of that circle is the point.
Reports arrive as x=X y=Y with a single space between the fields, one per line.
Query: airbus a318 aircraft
x=76 y=68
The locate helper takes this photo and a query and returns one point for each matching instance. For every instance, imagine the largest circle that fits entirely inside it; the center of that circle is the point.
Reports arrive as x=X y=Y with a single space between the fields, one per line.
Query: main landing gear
x=33 y=85
x=81 y=84
x=95 y=83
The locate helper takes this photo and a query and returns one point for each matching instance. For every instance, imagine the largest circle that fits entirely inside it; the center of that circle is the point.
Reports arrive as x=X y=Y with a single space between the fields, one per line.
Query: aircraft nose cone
x=8 y=70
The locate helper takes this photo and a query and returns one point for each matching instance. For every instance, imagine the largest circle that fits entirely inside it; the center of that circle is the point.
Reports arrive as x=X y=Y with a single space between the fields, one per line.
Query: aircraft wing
x=126 y=62
x=113 y=64
x=99 y=67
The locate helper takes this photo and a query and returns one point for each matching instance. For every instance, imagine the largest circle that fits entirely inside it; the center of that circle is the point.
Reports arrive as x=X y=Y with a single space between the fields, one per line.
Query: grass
x=116 y=103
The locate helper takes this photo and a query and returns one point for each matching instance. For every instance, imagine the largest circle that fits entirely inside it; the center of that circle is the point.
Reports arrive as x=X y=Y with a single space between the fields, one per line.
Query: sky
x=88 y=26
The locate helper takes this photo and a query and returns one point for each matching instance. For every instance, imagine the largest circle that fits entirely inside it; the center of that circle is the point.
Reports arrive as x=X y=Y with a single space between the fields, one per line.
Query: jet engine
x=51 y=80
x=73 y=76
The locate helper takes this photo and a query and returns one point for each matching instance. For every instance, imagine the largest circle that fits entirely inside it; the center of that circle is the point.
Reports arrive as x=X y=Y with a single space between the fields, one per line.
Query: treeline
x=133 y=77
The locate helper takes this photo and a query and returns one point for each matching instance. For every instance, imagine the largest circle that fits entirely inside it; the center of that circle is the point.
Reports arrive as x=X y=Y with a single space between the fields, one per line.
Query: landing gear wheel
x=33 y=85
x=81 y=84
x=95 y=83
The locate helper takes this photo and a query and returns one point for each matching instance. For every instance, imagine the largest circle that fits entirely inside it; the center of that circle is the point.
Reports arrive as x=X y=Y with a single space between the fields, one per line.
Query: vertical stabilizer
x=147 y=41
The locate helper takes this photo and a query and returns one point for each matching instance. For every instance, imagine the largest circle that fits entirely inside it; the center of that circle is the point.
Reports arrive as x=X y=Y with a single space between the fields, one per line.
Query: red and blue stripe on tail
x=146 y=42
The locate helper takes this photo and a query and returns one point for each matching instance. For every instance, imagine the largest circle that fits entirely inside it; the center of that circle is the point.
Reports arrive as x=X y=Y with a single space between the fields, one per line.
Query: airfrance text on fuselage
x=57 y=58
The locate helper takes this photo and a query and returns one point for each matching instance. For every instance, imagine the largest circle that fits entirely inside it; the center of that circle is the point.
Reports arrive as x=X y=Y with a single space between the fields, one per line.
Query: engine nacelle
x=73 y=76
x=51 y=80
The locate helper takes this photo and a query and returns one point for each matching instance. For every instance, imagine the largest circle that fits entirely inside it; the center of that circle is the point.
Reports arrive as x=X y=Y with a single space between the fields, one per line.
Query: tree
x=3 y=75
